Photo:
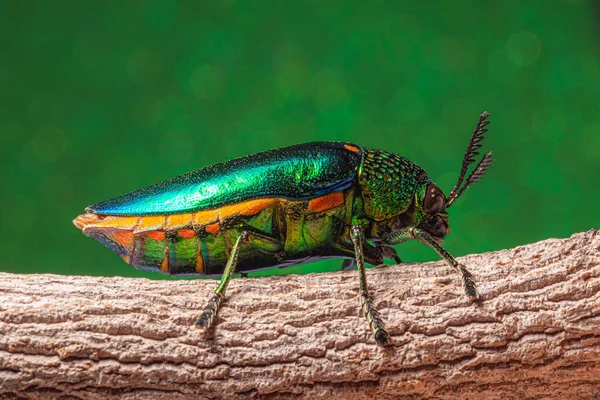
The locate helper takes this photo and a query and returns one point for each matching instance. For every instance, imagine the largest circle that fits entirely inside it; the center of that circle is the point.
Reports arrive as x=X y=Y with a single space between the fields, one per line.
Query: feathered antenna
x=469 y=158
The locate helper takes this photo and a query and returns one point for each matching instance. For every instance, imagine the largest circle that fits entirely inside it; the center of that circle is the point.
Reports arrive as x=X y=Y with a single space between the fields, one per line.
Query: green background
x=101 y=98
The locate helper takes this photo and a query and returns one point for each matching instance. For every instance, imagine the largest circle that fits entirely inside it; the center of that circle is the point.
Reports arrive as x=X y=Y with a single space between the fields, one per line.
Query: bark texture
x=535 y=335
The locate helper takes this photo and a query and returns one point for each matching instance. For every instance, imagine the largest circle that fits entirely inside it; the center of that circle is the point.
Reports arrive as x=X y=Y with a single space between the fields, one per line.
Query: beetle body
x=299 y=203
x=285 y=207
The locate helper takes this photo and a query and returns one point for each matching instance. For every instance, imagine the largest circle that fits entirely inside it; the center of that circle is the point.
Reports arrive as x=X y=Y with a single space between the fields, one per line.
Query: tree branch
x=536 y=333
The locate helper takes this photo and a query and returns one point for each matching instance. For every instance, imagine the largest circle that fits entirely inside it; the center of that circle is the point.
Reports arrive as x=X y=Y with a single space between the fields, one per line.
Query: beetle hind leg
x=206 y=319
x=348 y=264
x=261 y=242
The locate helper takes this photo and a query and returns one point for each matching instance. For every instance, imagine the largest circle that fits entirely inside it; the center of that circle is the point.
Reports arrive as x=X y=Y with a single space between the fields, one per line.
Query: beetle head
x=430 y=203
x=430 y=212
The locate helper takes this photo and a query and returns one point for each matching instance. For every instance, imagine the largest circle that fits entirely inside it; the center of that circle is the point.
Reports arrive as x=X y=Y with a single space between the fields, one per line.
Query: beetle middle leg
x=382 y=337
x=386 y=252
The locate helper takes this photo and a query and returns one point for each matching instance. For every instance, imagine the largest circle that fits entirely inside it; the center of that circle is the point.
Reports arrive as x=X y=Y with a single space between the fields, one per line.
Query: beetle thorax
x=426 y=211
x=388 y=183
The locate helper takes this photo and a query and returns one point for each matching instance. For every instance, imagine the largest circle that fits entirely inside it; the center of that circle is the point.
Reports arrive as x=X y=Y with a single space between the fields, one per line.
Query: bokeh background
x=101 y=98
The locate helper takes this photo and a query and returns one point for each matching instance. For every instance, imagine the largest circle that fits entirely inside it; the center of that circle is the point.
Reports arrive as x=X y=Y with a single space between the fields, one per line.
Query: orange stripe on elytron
x=157 y=236
x=164 y=267
x=326 y=202
x=178 y=221
x=351 y=148
x=84 y=220
x=205 y=217
x=126 y=223
x=154 y=226
x=151 y=223
x=213 y=228
x=246 y=208
x=186 y=233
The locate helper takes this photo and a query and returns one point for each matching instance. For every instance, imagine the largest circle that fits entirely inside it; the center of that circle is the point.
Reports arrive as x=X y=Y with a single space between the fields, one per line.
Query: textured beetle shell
x=388 y=183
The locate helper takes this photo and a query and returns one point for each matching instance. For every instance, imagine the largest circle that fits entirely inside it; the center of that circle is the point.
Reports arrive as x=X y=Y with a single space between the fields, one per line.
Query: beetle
x=285 y=207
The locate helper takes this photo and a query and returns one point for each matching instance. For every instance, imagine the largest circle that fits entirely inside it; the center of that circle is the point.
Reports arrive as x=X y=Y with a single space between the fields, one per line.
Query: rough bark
x=536 y=334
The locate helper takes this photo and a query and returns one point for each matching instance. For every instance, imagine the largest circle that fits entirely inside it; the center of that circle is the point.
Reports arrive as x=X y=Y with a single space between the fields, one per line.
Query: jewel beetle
x=285 y=207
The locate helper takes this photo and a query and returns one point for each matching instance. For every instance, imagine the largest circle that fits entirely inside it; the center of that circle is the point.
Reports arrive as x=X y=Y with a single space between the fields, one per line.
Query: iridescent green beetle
x=285 y=207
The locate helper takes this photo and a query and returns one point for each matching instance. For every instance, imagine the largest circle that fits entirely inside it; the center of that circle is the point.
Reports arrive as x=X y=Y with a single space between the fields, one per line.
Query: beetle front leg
x=405 y=234
x=382 y=337
x=391 y=253
x=463 y=272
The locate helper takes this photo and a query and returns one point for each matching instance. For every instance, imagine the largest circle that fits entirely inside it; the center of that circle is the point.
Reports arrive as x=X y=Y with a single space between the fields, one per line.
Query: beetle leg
x=348 y=264
x=465 y=275
x=397 y=237
x=390 y=252
x=371 y=254
x=382 y=337
x=263 y=243
x=205 y=320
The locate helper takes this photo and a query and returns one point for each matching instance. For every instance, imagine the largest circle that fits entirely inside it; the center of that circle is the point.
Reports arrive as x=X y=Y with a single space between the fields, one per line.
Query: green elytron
x=285 y=207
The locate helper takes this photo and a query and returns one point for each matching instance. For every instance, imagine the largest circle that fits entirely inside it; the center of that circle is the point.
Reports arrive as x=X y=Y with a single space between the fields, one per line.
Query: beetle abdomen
x=199 y=243
x=175 y=244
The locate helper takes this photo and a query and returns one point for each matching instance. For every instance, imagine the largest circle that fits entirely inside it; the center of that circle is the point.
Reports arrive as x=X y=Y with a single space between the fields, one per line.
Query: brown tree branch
x=536 y=334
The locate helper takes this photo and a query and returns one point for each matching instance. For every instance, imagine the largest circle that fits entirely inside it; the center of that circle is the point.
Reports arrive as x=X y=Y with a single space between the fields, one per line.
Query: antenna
x=469 y=158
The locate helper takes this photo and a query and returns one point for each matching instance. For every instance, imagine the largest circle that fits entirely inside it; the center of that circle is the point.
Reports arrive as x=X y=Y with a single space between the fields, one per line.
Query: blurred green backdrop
x=101 y=98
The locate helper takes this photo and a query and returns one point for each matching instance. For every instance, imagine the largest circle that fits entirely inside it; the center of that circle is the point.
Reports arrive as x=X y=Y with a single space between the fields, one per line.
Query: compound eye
x=434 y=201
